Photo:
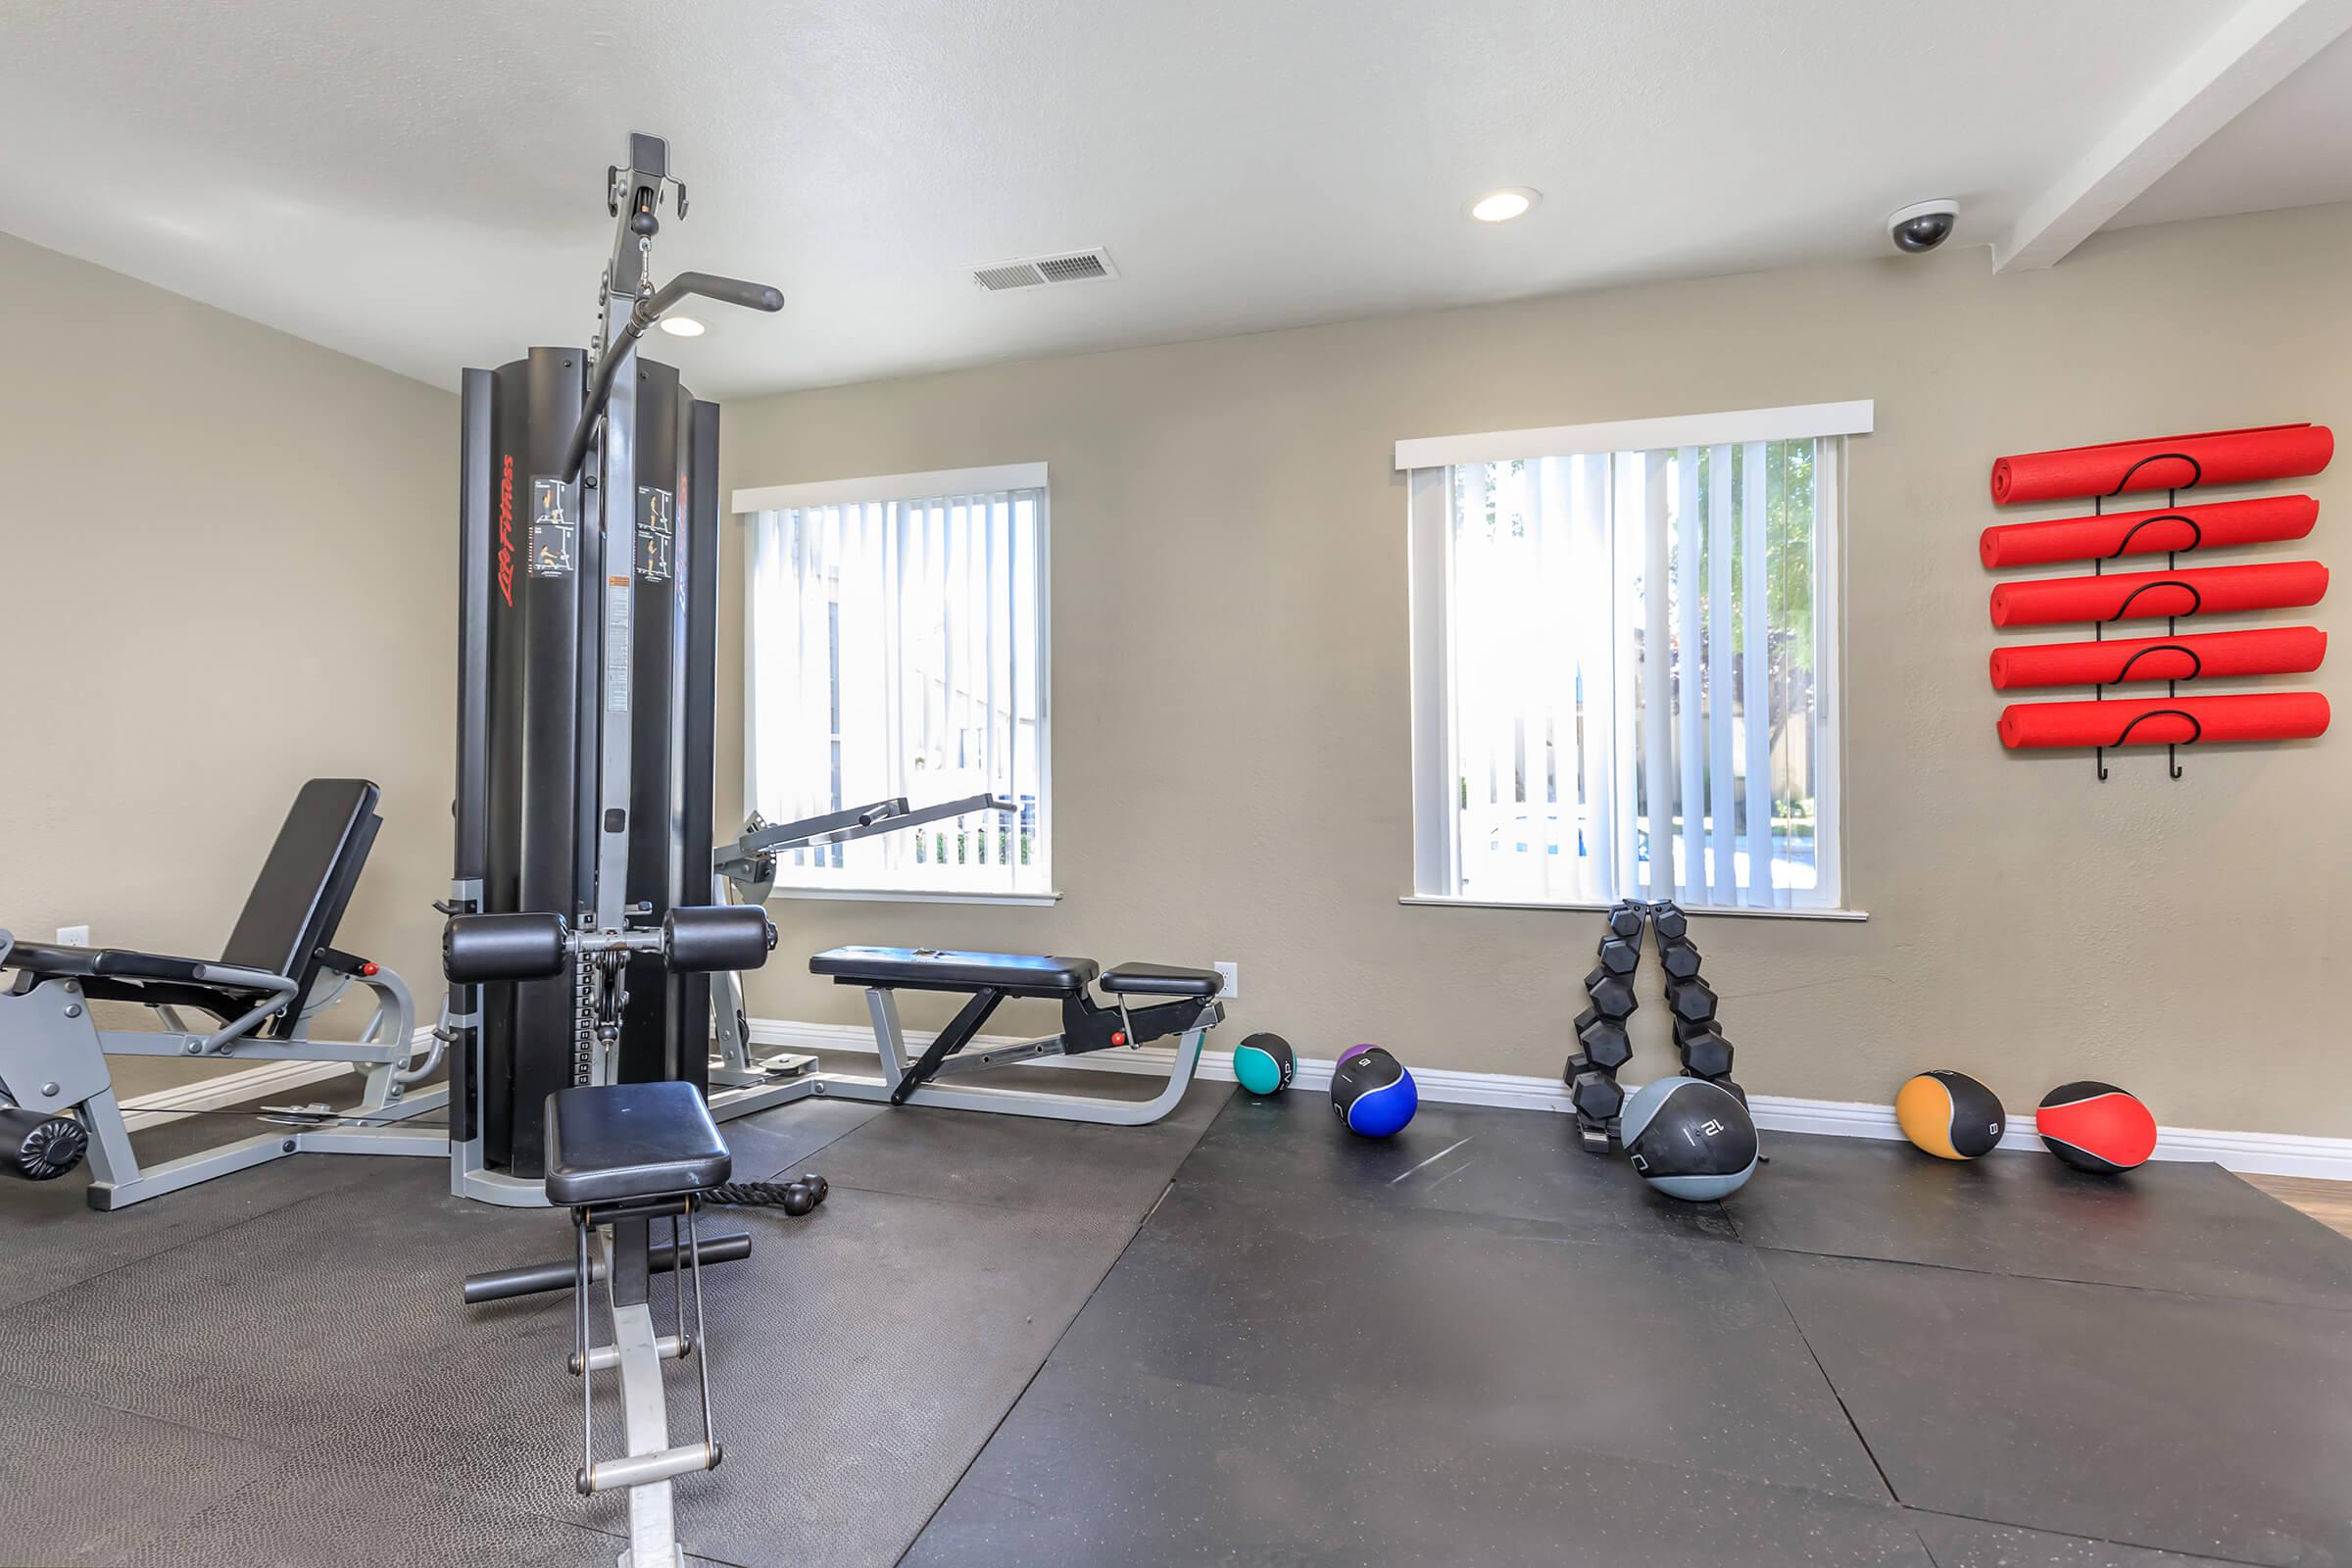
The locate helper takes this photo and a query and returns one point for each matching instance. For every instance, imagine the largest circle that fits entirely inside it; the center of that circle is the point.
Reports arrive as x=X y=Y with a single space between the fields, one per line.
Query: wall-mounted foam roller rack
x=2172 y=464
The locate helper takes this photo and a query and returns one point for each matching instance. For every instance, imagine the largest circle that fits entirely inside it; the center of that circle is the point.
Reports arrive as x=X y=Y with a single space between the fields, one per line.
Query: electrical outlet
x=1232 y=971
x=73 y=936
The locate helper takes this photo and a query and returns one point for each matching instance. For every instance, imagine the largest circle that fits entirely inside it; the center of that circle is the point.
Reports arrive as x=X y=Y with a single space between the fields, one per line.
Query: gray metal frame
x=637 y=1351
x=882 y=1006
x=742 y=1083
x=53 y=1058
x=612 y=1247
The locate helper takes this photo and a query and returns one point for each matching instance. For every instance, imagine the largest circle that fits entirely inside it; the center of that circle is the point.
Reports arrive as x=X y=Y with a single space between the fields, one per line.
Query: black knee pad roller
x=502 y=947
x=711 y=937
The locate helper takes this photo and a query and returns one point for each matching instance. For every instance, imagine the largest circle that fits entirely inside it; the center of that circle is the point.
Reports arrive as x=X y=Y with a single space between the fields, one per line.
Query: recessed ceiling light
x=681 y=327
x=1501 y=206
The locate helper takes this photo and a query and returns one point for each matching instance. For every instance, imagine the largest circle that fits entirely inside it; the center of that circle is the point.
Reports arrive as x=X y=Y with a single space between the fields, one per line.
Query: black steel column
x=477 y=536
x=698 y=769
x=531 y=782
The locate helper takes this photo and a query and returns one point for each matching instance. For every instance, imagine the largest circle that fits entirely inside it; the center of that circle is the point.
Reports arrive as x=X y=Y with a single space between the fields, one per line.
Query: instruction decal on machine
x=657 y=533
x=552 y=528
x=616 y=645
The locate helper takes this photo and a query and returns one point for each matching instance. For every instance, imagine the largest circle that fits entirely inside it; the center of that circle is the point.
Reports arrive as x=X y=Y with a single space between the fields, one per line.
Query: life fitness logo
x=506 y=529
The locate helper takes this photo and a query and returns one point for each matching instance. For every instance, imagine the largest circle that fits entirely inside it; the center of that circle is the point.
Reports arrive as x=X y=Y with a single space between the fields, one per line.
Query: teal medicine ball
x=1689 y=1138
x=1264 y=1065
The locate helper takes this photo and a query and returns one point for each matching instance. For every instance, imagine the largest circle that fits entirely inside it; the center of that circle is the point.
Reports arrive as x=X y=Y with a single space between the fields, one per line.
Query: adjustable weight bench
x=278 y=970
x=622 y=1156
x=1191 y=1010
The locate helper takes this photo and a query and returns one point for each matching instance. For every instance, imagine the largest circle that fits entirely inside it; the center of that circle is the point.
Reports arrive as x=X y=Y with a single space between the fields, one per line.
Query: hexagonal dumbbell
x=1612 y=994
x=1679 y=959
x=1626 y=919
x=1706 y=1054
x=1596 y=1096
x=1691 y=1000
x=1620 y=957
x=1672 y=924
x=1607 y=1044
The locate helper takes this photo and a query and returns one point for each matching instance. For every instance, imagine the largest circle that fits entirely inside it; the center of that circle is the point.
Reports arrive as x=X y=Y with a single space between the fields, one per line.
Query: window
x=1624 y=661
x=895 y=636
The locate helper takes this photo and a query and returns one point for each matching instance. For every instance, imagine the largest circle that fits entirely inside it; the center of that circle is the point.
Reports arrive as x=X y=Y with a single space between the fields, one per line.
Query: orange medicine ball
x=1950 y=1115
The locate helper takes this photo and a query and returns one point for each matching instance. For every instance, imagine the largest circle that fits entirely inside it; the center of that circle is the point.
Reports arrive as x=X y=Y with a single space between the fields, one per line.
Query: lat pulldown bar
x=634 y=196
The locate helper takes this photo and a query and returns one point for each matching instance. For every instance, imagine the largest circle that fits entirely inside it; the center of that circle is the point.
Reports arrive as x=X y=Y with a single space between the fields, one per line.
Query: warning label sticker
x=616 y=647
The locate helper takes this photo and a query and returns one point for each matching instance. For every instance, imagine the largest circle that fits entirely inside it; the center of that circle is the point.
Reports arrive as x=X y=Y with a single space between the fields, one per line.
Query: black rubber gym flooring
x=1241 y=1336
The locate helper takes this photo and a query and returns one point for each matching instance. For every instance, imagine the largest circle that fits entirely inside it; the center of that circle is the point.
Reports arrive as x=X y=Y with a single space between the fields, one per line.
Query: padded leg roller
x=475 y=947
x=706 y=939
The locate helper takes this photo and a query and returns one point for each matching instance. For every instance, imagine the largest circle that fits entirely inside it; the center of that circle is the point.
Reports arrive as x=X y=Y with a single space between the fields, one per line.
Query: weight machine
x=257 y=1002
x=578 y=947
x=588 y=582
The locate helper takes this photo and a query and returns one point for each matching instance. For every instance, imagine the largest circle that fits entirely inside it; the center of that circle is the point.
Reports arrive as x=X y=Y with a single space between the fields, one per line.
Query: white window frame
x=1427 y=462
x=917 y=487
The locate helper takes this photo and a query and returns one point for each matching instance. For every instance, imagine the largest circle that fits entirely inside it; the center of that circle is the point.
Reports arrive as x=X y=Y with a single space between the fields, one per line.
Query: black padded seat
x=125 y=963
x=45 y=962
x=623 y=1142
x=305 y=885
x=121 y=974
x=1162 y=980
x=112 y=963
x=1019 y=974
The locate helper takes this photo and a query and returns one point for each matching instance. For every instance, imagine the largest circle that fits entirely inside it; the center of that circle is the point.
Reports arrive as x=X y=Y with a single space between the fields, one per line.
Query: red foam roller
x=2164 y=462
x=2143 y=533
x=2157 y=720
x=2130 y=594
x=2280 y=650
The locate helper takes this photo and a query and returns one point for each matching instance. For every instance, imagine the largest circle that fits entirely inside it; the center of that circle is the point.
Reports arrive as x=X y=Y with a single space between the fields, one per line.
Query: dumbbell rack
x=1603 y=1044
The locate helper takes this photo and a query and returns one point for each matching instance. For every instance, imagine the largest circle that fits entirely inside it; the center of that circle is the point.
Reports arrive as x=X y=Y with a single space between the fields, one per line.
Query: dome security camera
x=1922 y=226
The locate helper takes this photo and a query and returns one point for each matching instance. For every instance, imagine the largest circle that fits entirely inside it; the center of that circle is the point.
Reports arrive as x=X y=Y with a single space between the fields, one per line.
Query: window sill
x=1687 y=908
x=913 y=896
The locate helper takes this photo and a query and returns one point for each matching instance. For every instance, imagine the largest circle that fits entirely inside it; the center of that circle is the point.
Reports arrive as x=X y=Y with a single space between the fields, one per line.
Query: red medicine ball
x=2096 y=1127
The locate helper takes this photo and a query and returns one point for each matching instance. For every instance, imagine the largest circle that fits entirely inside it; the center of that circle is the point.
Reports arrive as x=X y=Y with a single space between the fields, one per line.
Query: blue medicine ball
x=1372 y=1091
x=1689 y=1138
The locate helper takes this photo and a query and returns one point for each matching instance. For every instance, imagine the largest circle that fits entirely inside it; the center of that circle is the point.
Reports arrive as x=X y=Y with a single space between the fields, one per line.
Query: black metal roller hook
x=2171 y=748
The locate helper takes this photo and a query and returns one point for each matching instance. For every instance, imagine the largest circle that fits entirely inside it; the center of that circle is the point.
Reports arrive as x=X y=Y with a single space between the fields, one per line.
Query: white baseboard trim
x=2256 y=1153
x=167 y=1105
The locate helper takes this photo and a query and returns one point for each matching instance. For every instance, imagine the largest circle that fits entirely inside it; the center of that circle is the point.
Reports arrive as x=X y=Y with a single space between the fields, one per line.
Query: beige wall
x=228 y=567
x=1228 y=559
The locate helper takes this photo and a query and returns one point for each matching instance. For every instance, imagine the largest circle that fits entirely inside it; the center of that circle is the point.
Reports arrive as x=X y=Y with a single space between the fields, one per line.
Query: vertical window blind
x=896 y=647
x=1635 y=676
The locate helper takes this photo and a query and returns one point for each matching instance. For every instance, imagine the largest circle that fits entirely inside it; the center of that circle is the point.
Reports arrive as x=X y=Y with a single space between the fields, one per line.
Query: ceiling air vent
x=1035 y=272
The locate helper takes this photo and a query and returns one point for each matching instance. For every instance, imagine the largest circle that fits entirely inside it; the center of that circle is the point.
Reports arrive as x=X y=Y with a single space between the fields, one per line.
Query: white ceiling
x=2291 y=149
x=420 y=183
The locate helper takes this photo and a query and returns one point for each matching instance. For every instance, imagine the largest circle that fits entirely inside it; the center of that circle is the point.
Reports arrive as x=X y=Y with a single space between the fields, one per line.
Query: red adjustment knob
x=1118 y=1036
x=366 y=968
